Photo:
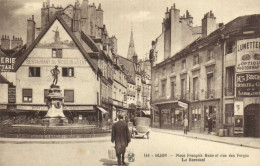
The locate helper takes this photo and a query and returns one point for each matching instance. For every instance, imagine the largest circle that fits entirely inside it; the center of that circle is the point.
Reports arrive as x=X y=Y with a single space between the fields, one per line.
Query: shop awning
x=102 y=110
x=3 y=107
x=146 y=112
x=172 y=104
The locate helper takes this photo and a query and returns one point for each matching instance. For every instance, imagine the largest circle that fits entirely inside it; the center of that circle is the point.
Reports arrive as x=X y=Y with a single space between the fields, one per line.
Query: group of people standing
x=186 y=123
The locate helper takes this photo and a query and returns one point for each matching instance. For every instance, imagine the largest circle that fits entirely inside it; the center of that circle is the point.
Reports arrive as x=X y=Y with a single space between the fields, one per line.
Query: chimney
x=92 y=20
x=99 y=15
x=84 y=18
x=5 y=42
x=113 y=40
x=208 y=24
x=30 y=31
x=76 y=18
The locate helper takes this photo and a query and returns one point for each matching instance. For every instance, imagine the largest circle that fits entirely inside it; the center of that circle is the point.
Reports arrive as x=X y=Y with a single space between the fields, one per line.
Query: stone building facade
x=202 y=79
x=93 y=79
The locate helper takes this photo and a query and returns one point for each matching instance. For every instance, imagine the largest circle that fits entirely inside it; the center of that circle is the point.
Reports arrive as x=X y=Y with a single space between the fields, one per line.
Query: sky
x=144 y=16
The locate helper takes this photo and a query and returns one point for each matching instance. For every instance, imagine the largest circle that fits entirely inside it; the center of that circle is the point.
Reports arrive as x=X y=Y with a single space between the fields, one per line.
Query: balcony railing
x=229 y=91
x=210 y=94
x=164 y=99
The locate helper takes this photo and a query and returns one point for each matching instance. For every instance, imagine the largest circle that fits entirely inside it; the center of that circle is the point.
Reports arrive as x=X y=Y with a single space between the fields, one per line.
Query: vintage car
x=141 y=128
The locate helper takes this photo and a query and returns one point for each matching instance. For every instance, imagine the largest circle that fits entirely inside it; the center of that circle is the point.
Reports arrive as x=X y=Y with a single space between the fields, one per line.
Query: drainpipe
x=222 y=86
x=151 y=58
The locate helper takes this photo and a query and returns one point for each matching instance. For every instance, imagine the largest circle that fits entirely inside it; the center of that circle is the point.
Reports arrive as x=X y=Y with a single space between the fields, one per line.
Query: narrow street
x=160 y=149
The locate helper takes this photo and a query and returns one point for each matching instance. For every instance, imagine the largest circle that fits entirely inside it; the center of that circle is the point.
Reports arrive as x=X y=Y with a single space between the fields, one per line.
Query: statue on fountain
x=55 y=115
x=55 y=72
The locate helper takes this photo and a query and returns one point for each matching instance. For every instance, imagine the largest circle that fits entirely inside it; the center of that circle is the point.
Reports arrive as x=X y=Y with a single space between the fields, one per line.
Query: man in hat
x=55 y=72
x=121 y=136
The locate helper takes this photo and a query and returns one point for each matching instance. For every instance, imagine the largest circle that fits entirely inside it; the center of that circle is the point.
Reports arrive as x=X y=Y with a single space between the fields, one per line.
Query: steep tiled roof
x=8 y=52
x=233 y=26
x=21 y=58
x=241 y=22
x=90 y=42
x=129 y=68
x=2 y=53
x=3 y=80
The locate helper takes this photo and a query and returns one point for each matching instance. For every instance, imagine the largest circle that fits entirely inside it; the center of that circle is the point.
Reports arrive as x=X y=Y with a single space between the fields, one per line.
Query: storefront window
x=196 y=114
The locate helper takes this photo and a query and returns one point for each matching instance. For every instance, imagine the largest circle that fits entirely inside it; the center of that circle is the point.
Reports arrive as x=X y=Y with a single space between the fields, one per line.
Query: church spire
x=131 y=48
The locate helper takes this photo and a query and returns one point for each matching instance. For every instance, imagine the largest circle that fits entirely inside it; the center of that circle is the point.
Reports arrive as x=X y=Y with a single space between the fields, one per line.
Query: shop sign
x=3 y=107
x=248 y=55
x=11 y=94
x=70 y=108
x=57 y=61
x=165 y=111
x=7 y=64
x=248 y=85
x=238 y=108
x=184 y=105
x=238 y=125
x=29 y=107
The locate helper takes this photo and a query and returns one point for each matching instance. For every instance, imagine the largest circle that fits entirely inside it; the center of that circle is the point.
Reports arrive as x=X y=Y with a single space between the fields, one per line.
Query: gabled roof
x=129 y=68
x=89 y=41
x=21 y=58
x=241 y=22
x=8 y=52
x=70 y=5
x=2 y=53
x=3 y=80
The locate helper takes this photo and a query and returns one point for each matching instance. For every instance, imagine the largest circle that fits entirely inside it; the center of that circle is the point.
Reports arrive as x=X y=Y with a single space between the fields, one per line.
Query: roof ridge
x=58 y=17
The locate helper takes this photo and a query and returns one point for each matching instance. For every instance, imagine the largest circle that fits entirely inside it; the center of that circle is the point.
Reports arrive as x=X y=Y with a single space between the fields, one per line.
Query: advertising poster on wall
x=248 y=55
x=248 y=85
x=129 y=82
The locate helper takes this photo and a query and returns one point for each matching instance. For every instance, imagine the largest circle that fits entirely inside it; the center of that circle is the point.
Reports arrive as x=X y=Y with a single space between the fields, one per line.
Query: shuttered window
x=68 y=95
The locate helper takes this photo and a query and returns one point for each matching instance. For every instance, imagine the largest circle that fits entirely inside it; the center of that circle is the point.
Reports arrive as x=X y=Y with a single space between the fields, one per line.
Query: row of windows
x=28 y=95
x=36 y=72
x=183 y=84
x=196 y=60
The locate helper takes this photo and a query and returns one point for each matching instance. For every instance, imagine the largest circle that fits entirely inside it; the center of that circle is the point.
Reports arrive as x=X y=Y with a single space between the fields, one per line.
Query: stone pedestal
x=55 y=115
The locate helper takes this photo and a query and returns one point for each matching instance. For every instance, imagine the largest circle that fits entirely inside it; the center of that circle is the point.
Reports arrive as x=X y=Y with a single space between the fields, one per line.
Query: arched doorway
x=252 y=120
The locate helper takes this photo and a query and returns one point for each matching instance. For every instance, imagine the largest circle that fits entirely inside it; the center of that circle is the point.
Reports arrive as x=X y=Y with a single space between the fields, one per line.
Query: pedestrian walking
x=121 y=136
x=210 y=121
x=185 y=124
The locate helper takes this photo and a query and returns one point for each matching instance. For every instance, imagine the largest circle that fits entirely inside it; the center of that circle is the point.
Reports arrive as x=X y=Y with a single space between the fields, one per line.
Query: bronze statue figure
x=55 y=72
